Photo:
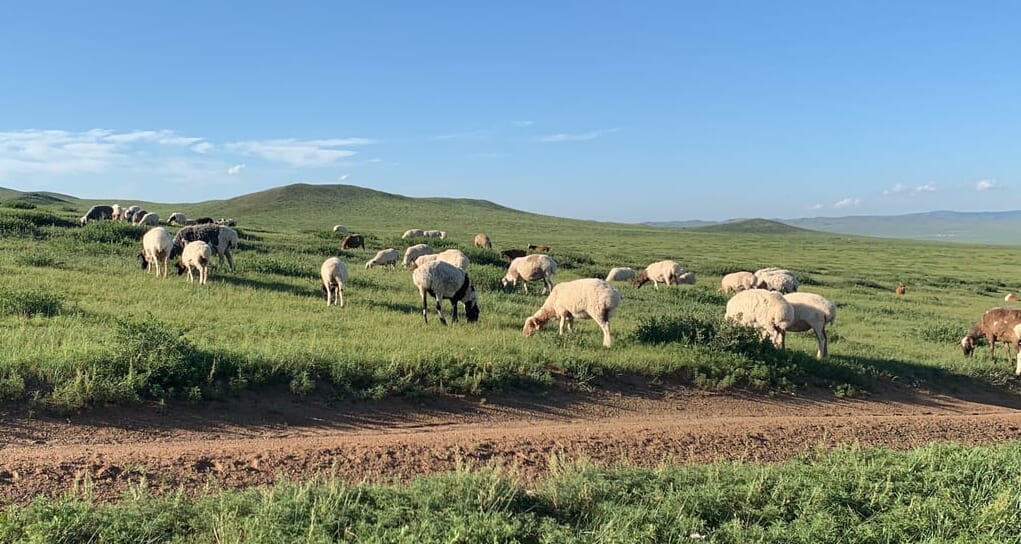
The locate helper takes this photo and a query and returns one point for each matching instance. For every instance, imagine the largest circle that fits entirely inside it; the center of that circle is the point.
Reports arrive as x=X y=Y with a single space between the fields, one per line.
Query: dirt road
x=253 y=440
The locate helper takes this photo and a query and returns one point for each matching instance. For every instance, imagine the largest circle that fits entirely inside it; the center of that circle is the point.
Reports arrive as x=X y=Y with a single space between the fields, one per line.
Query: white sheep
x=415 y=252
x=96 y=213
x=126 y=213
x=177 y=219
x=767 y=311
x=737 y=281
x=195 y=255
x=812 y=312
x=334 y=275
x=441 y=234
x=455 y=257
x=412 y=233
x=117 y=211
x=156 y=246
x=776 y=279
x=666 y=271
x=621 y=274
x=341 y=229
x=529 y=268
x=443 y=280
x=149 y=220
x=384 y=257
x=223 y=240
x=585 y=298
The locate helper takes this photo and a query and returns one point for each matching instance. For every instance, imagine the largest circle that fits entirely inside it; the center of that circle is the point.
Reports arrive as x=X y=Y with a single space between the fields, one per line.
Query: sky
x=616 y=111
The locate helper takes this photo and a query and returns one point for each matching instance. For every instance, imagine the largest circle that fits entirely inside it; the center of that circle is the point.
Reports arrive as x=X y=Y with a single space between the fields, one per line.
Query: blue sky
x=624 y=111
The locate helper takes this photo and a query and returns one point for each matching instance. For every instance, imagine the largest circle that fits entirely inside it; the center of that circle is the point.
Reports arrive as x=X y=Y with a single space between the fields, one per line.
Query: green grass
x=72 y=298
x=940 y=493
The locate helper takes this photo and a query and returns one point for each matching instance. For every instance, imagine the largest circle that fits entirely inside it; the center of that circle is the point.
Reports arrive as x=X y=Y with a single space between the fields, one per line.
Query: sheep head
x=968 y=346
x=641 y=279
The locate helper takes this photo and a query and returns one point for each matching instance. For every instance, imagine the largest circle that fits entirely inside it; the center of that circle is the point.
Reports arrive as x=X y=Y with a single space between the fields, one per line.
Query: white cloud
x=986 y=184
x=927 y=188
x=235 y=170
x=203 y=147
x=816 y=207
x=847 y=202
x=300 y=152
x=165 y=137
x=343 y=177
x=576 y=136
x=375 y=160
x=898 y=188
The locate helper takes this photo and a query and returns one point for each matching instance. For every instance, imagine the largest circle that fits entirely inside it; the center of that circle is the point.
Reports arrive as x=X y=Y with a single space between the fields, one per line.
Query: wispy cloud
x=847 y=202
x=926 y=188
x=987 y=184
x=816 y=207
x=575 y=136
x=522 y=124
x=202 y=147
x=299 y=153
x=344 y=177
x=235 y=170
x=896 y=189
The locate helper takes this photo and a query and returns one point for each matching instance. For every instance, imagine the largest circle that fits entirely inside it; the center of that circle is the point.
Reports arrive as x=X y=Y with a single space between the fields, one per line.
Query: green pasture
x=81 y=324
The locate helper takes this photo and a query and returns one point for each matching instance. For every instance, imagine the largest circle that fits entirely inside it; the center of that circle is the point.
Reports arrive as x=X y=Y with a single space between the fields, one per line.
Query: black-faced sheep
x=222 y=240
x=155 y=253
x=666 y=271
x=204 y=221
x=621 y=273
x=96 y=213
x=334 y=275
x=765 y=310
x=776 y=279
x=415 y=252
x=384 y=257
x=511 y=254
x=530 y=268
x=737 y=281
x=999 y=324
x=585 y=298
x=195 y=255
x=227 y=221
x=443 y=280
x=177 y=219
x=812 y=312
x=455 y=257
x=352 y=241
x=482 y=240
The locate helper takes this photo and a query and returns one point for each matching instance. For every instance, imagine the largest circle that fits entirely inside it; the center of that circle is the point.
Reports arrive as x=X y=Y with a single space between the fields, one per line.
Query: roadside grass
x=938 y=493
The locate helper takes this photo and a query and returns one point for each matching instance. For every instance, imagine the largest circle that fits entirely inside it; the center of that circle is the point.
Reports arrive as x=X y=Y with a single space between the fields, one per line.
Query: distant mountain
x=754 y=226
x=36 y=198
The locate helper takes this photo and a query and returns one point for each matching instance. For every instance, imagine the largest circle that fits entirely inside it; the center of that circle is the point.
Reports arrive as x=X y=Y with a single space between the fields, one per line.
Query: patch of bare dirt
x=254 y=440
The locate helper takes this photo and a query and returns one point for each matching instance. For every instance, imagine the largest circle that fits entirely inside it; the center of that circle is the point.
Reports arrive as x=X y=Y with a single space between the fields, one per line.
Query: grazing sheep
x=666 y=271
x=137 y=216
x=530 y=268
x=483 y=241
x=222 y=240
x=195 y=255
x=996 y=324
x=177 y=219
x=126 y=213
x=539 y=247
x=413 y=233
x=155 y=253
x=204 y=220
x=687 y=278
x=339 y=229
x=901 y=289
x=149 y=220
x=737 y=281
x=765 y=310
x=585 y=298
x=96 y=213
x=334 y=275
x=352 y=241
x=455 y=257
x=812 y=312
x=415 y=252
x=511 y=254
x=776 y=279
x=117 y=211
x=621 y=274
x=443 y=280
x=384 y=257
x=1011 y=297
x=441 y=234
x=227 y=222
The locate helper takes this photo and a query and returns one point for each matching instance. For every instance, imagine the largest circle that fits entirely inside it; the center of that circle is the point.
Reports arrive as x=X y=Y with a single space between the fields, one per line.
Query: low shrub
x=29 y=303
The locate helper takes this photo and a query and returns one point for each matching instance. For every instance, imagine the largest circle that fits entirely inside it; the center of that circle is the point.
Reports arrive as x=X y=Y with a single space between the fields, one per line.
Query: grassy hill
x=754 y=226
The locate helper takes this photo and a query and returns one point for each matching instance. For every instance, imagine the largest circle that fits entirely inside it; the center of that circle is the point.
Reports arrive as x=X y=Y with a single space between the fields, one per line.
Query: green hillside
x=754 y=226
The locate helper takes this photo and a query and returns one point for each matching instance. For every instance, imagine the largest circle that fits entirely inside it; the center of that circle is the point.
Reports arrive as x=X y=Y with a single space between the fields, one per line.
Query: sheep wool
x=585 y=298
x=443 y=280
x=737 y=281
x=455 y=257
x=530 y=268
x=156 y=246
x=384 y=257
x=333 y=272
x=812 y=312
x=767 y=311
x=415 y=252
x=666 y=272
x=195 y=255
x=776 y=279
x=621 y=274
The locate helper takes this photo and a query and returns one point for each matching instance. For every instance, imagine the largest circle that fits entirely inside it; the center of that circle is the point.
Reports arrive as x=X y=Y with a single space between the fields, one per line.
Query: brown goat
x=996 y=325
x=352 y=241
x=511 y=254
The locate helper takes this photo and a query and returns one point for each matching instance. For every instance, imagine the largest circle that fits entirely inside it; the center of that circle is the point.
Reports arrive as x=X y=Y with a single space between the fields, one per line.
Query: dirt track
x=252 y=441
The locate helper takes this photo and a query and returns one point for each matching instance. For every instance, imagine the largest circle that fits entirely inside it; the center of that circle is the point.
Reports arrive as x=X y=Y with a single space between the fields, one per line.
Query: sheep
x=117 y=211
x=812 y=312
x=222 y=240
x=776 y=279
x=415 y=252
x=96 y=213
x=621 y=274
x=149 y=220
x=483 y=241
x=204 y=220
x=455 y=257
x=900 y=289
x=195 y=255
x=126 y=213
x=511 y=254
x=384 y=257
x=137 y=216
x=177 y=218
x=765 y=310
x=352 y=241
x=666 y=271
x=334 y=275
x=737 y=281
x=585 y=298
x=443 y=280
x=441 y=234
x=156 y=246
x=996 y=324
x=539 y=247
x=529 y=268
x=1011 y=297
x=687 y=278
x=340 y=229
x=413 y=233
x=227 y=222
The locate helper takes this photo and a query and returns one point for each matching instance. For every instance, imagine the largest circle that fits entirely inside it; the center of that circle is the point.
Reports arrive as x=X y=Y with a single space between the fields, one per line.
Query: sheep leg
x=549 y=284
x=230 y=259
x=820 y=335
x=1017 y=369
x=190 y=278
x=605 y=325
x=453 y=310
x=340 y=295
x=563 y=319
x=525 y=282
x=424 y=312
x=439 y=310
